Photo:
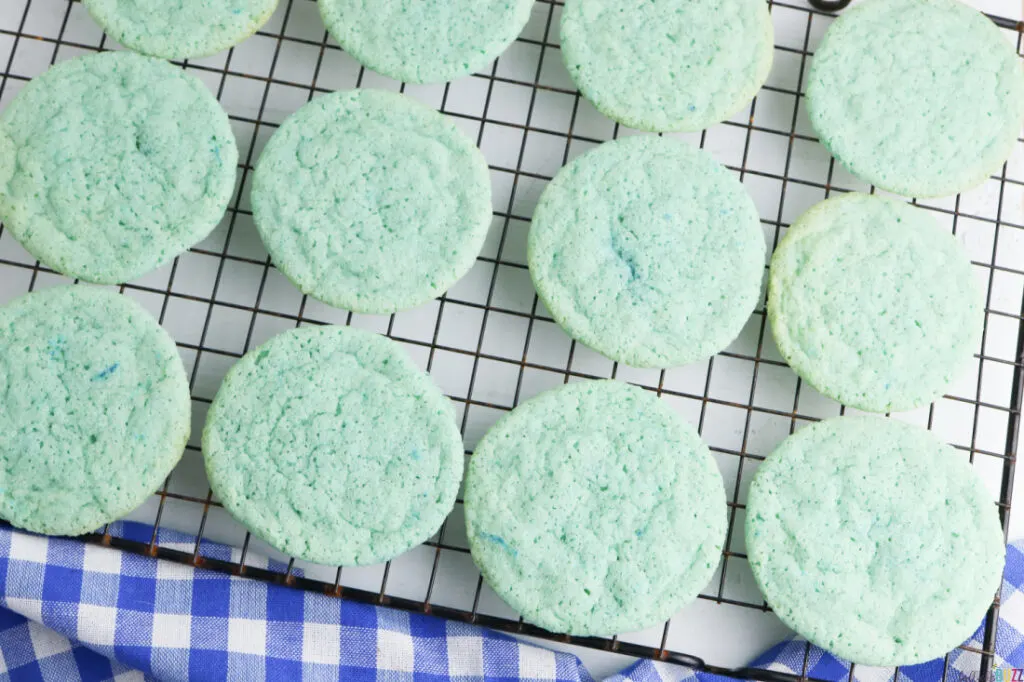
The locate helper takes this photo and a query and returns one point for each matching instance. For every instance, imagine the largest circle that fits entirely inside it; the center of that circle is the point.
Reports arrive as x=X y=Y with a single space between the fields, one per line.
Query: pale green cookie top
x=94 y=409
x=425 y=41
x=113 y=164
x=873 y=303
x=180 y=29
x=649 y=251
x=660 y=66
x=874 y=540
x=331 y=445
x=370 y=201
x=594 y=509
x=920 y=97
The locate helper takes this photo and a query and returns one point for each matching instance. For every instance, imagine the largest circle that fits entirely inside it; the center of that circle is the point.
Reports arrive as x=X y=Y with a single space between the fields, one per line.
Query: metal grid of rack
x=489 y=342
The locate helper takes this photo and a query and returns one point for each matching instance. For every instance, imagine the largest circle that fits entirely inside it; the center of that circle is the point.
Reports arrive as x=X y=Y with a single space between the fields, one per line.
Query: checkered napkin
x=72 y=611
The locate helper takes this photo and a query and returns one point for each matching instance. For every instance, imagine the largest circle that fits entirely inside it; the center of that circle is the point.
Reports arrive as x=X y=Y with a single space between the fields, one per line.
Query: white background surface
x=479 y=366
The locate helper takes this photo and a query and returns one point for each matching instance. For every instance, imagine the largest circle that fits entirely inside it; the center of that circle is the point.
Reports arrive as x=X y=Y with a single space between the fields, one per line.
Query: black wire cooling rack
x=28 y=31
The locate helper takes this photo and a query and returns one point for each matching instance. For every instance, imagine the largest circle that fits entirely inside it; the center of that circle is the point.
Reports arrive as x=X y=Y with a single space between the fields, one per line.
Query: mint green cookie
x=94 y=409
x=370 y=201
x=425 y=41
x=649 y=251
x=920 y=97
x=331 y=445
x=873 y=303
x=180 y=29
x=661 y=66
x=113 y=164
x=594 y=509
x=874 y=540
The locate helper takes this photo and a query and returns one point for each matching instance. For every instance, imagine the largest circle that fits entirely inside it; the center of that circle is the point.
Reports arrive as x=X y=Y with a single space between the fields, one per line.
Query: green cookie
x=873 y=304
x=331 y=445
x=113 y=164
x=919 y=97
x=370 y=201
x=182 y=29
x=425 y=41
x=874 y=540
x=649 y=251
x=661 y=66
x=594 y=509
x=94 y=409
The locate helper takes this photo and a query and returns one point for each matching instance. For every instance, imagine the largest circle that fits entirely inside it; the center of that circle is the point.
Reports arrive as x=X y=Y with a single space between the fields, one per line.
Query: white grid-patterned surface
x=489 y=343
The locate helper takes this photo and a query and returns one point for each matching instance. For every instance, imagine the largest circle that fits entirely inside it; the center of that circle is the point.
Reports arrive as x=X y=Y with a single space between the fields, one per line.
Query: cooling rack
x=489 y=342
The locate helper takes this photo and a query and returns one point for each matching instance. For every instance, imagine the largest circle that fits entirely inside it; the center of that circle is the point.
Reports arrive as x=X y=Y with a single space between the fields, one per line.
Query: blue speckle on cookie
x=107 y=372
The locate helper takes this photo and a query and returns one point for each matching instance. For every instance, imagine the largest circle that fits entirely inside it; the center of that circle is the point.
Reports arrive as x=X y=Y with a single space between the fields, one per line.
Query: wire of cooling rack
x=476 y=353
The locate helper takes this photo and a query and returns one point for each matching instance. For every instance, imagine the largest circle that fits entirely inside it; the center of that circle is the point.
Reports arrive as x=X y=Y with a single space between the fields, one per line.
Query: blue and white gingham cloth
x=72 y=611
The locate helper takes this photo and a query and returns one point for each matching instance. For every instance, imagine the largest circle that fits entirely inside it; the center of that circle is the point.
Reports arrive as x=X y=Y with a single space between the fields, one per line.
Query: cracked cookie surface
x=113 y=164
x=667 y=66
x=332 y=446
x=180 y=29
x=425 y=41
x=919 y=97
x=372 y=202
x=874 y=540
x=94 y=409
x=594 y=509
x=873 y=303
x=648 y=251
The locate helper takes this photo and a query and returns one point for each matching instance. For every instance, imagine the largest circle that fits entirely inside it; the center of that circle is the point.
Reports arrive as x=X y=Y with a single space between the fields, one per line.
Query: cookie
x=370 y=201
x=668 y=66
x=920 y=97
x=332 y=446
x=648 y=251
x=94 y=409
x=425 y=41
x=594 y=509
x=113 y=164
x=184 y=29
x=874 y=540
x=872 y=303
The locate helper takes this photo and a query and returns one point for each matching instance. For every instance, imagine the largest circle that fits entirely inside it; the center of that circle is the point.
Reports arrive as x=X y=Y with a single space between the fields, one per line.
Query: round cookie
x=594 y=509
x=113 y=164
x=331 y=445
x=425 y=41
x=370 y=201
x=919 y=97
x=94 y=409
x=648 y=251
x=873 y=303
x=183 y=29
x=668 y=66
x=874 y=540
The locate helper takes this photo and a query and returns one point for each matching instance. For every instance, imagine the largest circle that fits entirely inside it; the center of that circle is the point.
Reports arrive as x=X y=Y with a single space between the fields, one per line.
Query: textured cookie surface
x=649 y=251
x=873 y=303
x=874 y=540
x=919 y=97
x=94 y=409
x=662 y=66
x=372 y=202
x=425 y=41
x=113 y=164
x=331 y=445
x=595 y=509
x=180 y=29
